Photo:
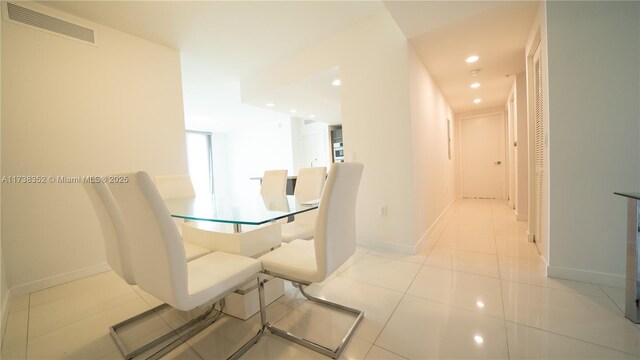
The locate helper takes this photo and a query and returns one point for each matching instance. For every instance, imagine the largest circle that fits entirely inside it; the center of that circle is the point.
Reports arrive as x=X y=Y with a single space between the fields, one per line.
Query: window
x=199 y=157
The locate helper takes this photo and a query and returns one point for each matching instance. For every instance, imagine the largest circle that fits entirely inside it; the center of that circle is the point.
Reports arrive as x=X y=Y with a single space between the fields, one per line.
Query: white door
x=483 y=170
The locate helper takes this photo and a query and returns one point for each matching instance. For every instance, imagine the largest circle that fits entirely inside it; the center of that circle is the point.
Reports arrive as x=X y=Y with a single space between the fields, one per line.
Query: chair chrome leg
x=263 y=324
x=188 y=332
x=178 y=335
x=333 y=353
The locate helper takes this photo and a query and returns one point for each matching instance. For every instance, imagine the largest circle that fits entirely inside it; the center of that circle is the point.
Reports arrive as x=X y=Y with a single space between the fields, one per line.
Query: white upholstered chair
x=119 y=257
x=309 y=185
x=178 y=187
x=112 y=225
x=274 y=183
x=158 y=256
x=305 y=262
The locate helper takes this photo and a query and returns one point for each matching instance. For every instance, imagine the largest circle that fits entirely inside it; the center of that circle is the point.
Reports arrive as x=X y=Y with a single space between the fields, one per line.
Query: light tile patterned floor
x=476 y=290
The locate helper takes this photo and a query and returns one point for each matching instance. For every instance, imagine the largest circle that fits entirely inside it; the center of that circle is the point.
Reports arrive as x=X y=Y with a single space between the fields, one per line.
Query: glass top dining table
x=253 y=210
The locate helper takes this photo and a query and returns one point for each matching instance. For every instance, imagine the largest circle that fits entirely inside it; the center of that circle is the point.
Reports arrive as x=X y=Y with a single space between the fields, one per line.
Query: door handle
x=497 y=162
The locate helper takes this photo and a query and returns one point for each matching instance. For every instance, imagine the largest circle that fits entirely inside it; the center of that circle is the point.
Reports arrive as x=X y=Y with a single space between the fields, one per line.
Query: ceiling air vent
x=49 y=23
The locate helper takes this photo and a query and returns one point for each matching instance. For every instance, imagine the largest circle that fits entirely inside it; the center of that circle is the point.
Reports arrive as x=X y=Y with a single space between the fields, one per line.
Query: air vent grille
x=49 y=23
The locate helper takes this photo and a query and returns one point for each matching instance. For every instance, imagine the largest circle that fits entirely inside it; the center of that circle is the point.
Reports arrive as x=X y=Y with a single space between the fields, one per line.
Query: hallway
x=477 y=291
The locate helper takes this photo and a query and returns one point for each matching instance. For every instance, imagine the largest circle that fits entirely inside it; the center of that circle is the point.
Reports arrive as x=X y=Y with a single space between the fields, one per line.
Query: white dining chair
x=274 y=183
x=158 y=257
x=309 y=185
x=305 y=262
x=116 y=243
x=179 y=187
x=119 y=252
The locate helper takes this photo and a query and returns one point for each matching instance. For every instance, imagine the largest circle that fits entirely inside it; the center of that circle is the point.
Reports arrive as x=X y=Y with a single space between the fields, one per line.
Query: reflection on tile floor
x=477 y=289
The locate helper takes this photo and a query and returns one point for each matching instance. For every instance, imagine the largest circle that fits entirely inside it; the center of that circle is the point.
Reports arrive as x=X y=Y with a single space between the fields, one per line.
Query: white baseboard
x=408 y=248
x=59 y=279
x=592 y=277
x=385 y=245
x=431 y=231
x=521 y=217
x=5 y=312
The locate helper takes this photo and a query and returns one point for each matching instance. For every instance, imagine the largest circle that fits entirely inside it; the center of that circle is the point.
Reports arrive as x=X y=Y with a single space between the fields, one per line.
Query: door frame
x=459 y=148
x=538 y=41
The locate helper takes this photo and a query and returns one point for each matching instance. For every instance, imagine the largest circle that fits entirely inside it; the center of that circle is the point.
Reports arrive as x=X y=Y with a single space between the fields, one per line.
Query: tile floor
x=477 y=290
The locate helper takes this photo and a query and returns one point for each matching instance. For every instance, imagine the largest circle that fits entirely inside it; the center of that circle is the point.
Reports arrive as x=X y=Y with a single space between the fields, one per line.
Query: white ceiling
x=314 y=95
x=445 y=33
x=223 y=42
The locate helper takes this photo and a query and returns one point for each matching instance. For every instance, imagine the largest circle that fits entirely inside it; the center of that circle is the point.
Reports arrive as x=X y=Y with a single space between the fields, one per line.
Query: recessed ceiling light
x=477 y=101
x=336 y=82
x=472 y=59
x=478 y=339
x=480 y=304
x=312 y=116
x=293 y=111
x=269 y=104
x=475 y=85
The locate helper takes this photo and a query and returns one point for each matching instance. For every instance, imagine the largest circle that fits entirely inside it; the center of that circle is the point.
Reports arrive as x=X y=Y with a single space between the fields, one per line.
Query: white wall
x=74 y=109
x=252 y=151
x=594 y=125
x=372 y=56
x=522 y=150
x=434 y=174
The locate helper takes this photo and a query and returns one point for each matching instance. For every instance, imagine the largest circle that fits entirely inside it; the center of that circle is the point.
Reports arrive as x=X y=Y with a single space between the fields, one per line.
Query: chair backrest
x=274 y=183
x=309 y=183
x=174 y=186
x=116 y=243
x=158 y=256
x=335 y=235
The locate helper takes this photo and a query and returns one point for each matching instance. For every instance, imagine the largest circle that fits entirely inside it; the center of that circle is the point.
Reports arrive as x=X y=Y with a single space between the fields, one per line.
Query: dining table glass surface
x=256 y=210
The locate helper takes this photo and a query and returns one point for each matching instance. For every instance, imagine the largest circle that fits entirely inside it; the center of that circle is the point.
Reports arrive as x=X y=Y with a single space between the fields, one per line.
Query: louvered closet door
x=539 y=148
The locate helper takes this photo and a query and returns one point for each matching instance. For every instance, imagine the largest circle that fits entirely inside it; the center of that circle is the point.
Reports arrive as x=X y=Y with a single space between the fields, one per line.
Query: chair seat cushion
x=193 y=251
x=295 y=230
x=293 y=261
x=212 y=275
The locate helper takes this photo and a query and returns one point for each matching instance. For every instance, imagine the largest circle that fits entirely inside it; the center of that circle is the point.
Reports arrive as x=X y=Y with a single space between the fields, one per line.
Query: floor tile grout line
x=456 y=307
x=82 y=319
x=385 y=349
x=573 y=292
x=465 y=272
x=611 y=299
x=504 y=312
x=390 y=316
x=571 y=337
x=75 y=282
x=397 y=305
x=62 y=299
